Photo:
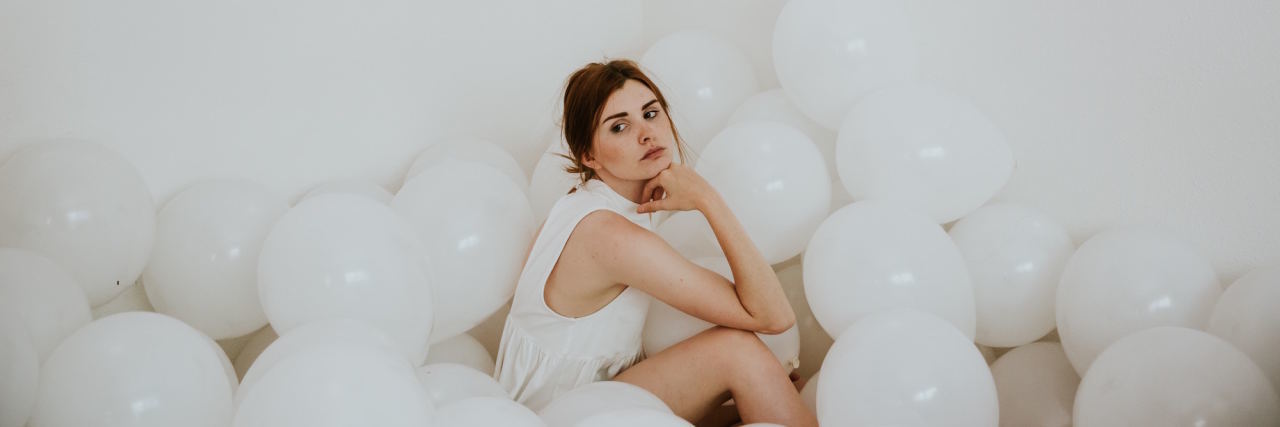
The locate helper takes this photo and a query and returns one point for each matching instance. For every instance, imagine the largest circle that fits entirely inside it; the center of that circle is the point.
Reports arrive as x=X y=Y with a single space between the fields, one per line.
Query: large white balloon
x=19 y=376
x=703 y=77
x=1015 y=256
x=84 y=207
x=446 y=383
x=923 y=148
x=362 y=188
x=633 y=417
x=1128 y=279
x=204 y=270
x=831 y=53
x=1036 y=385
x=874 y=255
x=1246 y=316
x=689 y=233
x=461 y=349
x=471 y=150
x=905 y=368
x=665 y=326
x=477 y=226
x=343 y=255
x=486 y=412
x=340 y=386
x=135 y=369
x=774 y=180
x=40 y=299
x=597 y=398
x=550 y=182
x=315 y=336
x=134 y=298
x=773 y=105
x=1174 y=376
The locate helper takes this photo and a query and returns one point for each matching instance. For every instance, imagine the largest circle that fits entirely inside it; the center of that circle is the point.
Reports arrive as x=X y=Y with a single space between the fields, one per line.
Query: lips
x=653 y=153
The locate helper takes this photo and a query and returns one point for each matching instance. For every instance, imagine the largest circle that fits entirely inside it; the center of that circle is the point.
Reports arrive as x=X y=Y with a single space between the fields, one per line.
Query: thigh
x=691 y=377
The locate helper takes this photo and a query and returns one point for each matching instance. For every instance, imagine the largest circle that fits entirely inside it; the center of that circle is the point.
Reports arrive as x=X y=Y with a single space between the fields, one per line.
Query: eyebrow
x=624 y=113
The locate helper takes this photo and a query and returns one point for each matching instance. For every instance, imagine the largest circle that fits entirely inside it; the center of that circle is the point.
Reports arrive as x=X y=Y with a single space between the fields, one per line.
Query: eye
x=618 y=128
x=650 y=114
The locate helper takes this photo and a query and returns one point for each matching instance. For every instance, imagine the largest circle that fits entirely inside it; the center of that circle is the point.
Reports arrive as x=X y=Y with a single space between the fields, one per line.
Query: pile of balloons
x=870 y=192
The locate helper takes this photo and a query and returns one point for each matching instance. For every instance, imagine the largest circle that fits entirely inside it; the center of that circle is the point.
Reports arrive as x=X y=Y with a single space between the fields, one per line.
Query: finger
x=650 y=187
x=660 y=193
x=652 y=206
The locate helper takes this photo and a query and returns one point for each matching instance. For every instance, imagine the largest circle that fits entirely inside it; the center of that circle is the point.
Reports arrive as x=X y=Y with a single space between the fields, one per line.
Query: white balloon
x=446 y=383
x=462 y=349
x=597 y=398
x=666 y=326
x=471 y=150
x=134 y=298
x=905 y=368
x=874 y=255
x=312 y=336
x=1245 y=316
x=923 y=148
x=633 y=417
x=361 y=188
x=1128 y=279
x=1036 y=385
x=773 y=178
x=773 y=105
x=1168 y=376
x=486 y=412
x=84 y=207
x=831 y=53
x=343 y=385
x=550 y=182
x=40 y=299
x=342 y=255
x=477 y=226
x=703 y=78
x=1015 y=255
x=689 y=234
x=204 y=269
x=19 y=376
x=135 y=369
x=814 y=341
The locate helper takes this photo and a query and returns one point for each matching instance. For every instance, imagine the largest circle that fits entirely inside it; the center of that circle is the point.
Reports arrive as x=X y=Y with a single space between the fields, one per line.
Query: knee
x=742 y=346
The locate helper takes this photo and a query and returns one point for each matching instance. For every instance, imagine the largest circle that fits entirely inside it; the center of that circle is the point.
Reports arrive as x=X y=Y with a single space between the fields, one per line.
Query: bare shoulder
x=608 y=230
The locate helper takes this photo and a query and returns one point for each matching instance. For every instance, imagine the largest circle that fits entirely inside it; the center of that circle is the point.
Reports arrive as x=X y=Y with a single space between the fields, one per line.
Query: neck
x=632 y=190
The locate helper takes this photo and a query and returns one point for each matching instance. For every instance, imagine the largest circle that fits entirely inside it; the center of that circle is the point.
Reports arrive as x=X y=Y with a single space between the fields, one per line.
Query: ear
x=589 y=160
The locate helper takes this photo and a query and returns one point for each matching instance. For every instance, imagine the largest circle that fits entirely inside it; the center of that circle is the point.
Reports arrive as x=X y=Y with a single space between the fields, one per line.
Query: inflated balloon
x=204 y=270
x=1015 y=256
x=597 y=398
x=344 y=385
x=133 y=369
x=132 y=299
x=814 y=341
x=874 y=255
x=831 y=53
x=471 y=150
x=477 y=226
x=703 y=78
x=342 y=255
x=486 y=412
x=689 y=234
x=1168 y=376
x=1246 y=316
x=773 y=105
x=446 y=383
x=773 y=179
x=633 y=417
x=923 y=148
x=666 y=326
x=362 y=188
x=315 y=336
x=461 y=349
x=906 y=368
x=82 y=206
x=550 y=182
x=1128 y=279
x=1036 y=385
x=40 y=299
x=19 y=376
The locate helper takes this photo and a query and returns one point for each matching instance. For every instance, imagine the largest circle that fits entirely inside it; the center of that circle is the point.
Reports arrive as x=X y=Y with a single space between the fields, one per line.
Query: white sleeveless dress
x=542 y=353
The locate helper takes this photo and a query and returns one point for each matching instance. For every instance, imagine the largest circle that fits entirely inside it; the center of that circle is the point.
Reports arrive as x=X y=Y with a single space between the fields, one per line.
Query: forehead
x=632 y=95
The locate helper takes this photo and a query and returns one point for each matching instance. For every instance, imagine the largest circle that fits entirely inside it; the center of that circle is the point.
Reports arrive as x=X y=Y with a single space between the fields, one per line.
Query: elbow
x=778 y=326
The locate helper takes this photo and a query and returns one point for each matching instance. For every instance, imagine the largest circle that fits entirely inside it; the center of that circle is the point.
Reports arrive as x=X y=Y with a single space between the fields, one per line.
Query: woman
x=581 y=300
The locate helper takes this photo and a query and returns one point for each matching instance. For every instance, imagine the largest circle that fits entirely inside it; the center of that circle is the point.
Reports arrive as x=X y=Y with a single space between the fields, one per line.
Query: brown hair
x=585 y=94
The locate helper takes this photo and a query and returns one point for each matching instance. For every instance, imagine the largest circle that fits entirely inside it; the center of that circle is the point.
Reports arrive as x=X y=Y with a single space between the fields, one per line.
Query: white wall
x=1139 y=112
x=293 y=93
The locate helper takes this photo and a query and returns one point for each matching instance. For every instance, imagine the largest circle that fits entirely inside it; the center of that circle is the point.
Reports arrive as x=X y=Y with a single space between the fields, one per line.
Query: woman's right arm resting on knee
x=640 y=258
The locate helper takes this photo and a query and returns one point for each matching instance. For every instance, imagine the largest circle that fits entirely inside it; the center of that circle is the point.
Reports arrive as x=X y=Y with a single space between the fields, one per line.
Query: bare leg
x=698 y=374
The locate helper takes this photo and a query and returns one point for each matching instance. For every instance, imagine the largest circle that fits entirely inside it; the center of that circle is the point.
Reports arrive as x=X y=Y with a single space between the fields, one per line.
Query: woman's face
x=634 y=140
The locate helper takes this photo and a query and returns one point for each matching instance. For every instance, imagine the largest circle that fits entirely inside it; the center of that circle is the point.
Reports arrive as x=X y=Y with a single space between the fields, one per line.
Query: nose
x=646 y=133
